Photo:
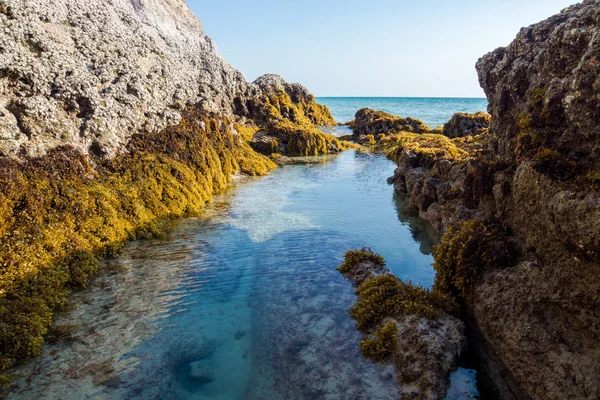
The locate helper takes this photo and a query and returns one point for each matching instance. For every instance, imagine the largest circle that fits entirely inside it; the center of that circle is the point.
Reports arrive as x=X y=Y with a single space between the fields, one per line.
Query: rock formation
x=116 y=116
x=406 y=325
x=371 y=122
x=521 y=210
x=465 y=124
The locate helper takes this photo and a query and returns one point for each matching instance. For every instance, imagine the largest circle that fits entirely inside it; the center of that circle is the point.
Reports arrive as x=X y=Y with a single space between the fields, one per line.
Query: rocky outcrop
x=520 y=214
x=465 y=124
x=115 y=117
x=406 y=325
x=376 y=123
x=91 y=74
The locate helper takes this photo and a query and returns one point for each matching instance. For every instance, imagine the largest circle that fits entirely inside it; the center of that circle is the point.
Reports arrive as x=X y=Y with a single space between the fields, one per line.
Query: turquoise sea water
x=433 y=111
x=244 y=302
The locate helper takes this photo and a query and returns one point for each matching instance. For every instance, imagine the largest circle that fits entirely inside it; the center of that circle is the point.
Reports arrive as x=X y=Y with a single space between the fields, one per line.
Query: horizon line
x=403 y=97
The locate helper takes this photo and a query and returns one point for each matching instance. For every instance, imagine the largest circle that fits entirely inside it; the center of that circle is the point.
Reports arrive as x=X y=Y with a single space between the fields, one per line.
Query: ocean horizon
x=434 y=111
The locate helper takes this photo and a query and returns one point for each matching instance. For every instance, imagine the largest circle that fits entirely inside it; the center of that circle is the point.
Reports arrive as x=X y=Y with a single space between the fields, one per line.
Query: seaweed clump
x=468 y=250
x=59 y=214
x=387 y=296
x=406 y=325
x=431 y=147
x=294 y=121
x=306 y=140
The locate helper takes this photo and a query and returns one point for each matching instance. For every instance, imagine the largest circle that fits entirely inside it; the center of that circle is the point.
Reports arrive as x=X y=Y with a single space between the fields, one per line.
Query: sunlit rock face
x=543 y=88
x=90 y=74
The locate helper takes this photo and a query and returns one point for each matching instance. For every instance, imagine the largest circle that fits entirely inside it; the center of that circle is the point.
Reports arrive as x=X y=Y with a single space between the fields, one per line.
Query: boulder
x=465 y=124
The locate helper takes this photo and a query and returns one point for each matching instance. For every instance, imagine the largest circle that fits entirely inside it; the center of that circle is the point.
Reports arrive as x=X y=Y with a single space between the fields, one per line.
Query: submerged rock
x=406 y=325
x=201 y=371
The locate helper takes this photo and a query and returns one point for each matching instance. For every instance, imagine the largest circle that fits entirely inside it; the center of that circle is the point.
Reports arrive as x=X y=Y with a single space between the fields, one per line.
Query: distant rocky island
x=118 y=117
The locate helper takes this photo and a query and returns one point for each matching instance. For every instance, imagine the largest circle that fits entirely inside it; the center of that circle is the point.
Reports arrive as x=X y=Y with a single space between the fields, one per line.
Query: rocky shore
x=116 y=117
x=406 y=325
x=519 y=206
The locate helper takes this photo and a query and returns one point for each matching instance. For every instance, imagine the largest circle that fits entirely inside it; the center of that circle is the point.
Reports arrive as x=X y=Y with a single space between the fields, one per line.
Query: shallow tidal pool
x=244 y=302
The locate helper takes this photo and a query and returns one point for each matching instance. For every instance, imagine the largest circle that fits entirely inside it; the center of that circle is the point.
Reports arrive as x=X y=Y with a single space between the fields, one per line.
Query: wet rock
x=201 y=371
x=265 y=144
x=465 y=124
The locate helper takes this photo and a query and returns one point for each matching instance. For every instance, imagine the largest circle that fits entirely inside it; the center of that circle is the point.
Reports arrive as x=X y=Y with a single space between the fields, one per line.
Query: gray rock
x=76 y=72
x=201 y=371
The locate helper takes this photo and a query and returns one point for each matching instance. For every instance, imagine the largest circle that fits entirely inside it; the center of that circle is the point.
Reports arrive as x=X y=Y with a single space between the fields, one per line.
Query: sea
x=433 y=111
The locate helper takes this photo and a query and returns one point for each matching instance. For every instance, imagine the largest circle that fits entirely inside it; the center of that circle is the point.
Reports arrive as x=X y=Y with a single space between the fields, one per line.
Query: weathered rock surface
x=371 y=122
x=465 y=124
x=69 y=78
x=543 y=88
x=538 y=176
x=426 y=348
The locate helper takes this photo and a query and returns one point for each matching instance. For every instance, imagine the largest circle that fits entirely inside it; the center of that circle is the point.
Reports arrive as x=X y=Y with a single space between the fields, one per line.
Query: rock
x=537 y=315
x=543 y=87
x=372 y=122
x=424 y=349
x=465 y=124
x=272 y=84
x=201 y=371
x=265 y=144
x=67 y=78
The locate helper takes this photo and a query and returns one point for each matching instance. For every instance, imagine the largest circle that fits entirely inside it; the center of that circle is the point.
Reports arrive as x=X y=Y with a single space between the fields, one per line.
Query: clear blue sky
x=369 y=47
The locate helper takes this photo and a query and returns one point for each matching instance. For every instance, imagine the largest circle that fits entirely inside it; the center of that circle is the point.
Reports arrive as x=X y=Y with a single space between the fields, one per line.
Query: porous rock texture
x=465 y=124
x=426 y=349
x=537 y=318
x=116 y=116
x=372 y=122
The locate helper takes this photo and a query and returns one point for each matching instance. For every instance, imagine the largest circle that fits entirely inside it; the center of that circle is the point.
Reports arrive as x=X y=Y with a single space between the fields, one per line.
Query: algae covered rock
x=520 y=212
x=465 y=124
x=405 y=325
x=371 y=122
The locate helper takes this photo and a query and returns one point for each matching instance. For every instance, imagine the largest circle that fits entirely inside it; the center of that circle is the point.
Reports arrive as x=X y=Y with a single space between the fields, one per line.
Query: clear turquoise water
x=246 y=302
x=433 y=111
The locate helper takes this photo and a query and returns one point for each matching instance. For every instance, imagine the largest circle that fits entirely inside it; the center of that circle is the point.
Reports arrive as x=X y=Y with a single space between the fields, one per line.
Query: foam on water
x=246 y=303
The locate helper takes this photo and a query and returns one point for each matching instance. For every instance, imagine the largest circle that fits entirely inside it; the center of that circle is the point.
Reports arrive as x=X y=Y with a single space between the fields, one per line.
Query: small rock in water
x=201 y=371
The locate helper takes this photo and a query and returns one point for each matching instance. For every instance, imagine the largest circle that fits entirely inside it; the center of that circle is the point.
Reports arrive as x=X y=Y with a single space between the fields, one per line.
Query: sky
x=387 y=48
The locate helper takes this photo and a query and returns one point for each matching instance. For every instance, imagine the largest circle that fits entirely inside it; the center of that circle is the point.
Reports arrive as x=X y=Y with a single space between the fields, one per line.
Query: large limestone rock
x=91 y=73
x=538 y=176
x=543 y=87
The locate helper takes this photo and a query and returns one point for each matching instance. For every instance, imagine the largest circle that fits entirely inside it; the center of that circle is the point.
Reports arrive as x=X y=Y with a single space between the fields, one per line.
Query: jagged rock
x=273 y=84
x=265 y=144
x=66 y=78
x=465 y=124
x=372 y=122
x=545 y=85
x=538 y=328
